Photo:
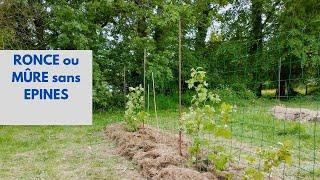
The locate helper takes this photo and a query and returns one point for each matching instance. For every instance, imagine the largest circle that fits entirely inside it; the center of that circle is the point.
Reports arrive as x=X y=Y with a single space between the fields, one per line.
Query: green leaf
x=222 y=132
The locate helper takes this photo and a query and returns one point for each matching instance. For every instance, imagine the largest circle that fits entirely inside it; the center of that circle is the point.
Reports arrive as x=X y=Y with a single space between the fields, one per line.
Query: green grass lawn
x=83 y=152
x=62 y=152
x=253 y=127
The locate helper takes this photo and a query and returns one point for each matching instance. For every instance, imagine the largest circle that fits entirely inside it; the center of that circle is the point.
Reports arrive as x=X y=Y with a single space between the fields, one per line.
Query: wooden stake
x=2 y=43
x=148 y=99
x=144 y=75
x=154 y=102
x=144 y=81
x=279 y=78
x=124 y=81
x=180 y=89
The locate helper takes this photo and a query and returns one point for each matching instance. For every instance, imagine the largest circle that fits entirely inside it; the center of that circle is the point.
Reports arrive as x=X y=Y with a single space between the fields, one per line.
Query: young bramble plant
x=135 y=114
x=277 y=156
x=201 y=119
x=272 y=159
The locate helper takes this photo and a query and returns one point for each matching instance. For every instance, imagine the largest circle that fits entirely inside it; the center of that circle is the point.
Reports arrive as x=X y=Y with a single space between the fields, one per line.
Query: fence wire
x=289 y=91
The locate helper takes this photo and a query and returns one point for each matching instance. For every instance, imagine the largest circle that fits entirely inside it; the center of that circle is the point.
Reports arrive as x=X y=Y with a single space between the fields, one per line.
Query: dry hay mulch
x=174 y=172
x=295 y=114
x=155 y=152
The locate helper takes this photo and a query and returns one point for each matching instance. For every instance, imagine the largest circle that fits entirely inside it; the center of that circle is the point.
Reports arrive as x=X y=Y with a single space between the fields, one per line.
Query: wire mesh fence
x=284 y=80
x=288 y=110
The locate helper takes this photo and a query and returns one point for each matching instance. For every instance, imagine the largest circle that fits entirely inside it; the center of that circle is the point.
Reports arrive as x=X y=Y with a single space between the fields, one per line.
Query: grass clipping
x=155 y=152
x=295 y=114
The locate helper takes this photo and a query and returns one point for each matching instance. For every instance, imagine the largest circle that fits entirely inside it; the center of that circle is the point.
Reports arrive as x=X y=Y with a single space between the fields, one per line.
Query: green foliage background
x=238 y=42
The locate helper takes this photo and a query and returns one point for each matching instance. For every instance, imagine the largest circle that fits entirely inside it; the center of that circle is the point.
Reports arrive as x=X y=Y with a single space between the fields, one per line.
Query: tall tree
x=299 y=27
x=22 y=24
x=256 y=41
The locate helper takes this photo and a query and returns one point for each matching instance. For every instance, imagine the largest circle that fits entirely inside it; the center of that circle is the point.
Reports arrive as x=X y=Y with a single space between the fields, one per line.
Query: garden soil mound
x=295 y=114
x=155 y=152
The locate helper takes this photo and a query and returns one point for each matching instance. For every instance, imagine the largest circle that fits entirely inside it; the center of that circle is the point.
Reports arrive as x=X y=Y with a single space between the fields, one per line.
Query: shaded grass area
x=61 y=152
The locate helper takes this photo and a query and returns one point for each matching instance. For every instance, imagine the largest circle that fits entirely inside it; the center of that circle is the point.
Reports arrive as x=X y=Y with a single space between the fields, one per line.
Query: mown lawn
x=62 y=152
x=253 y=127
x=83 y=152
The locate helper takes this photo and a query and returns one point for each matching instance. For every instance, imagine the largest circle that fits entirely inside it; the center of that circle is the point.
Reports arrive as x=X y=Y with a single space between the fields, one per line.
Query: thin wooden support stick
x=148 y=98
x=154 y=102
x=180 y=89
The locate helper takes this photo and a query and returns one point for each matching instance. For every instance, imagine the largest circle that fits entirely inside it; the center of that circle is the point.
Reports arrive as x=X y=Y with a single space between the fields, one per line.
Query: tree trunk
x=306 y=89
x=282 y=93
x=259 y=90
x=285 y=83
x=202 y=26
x=159 y=33
x=142 y=24
x=256 y=45
x=142 y=33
